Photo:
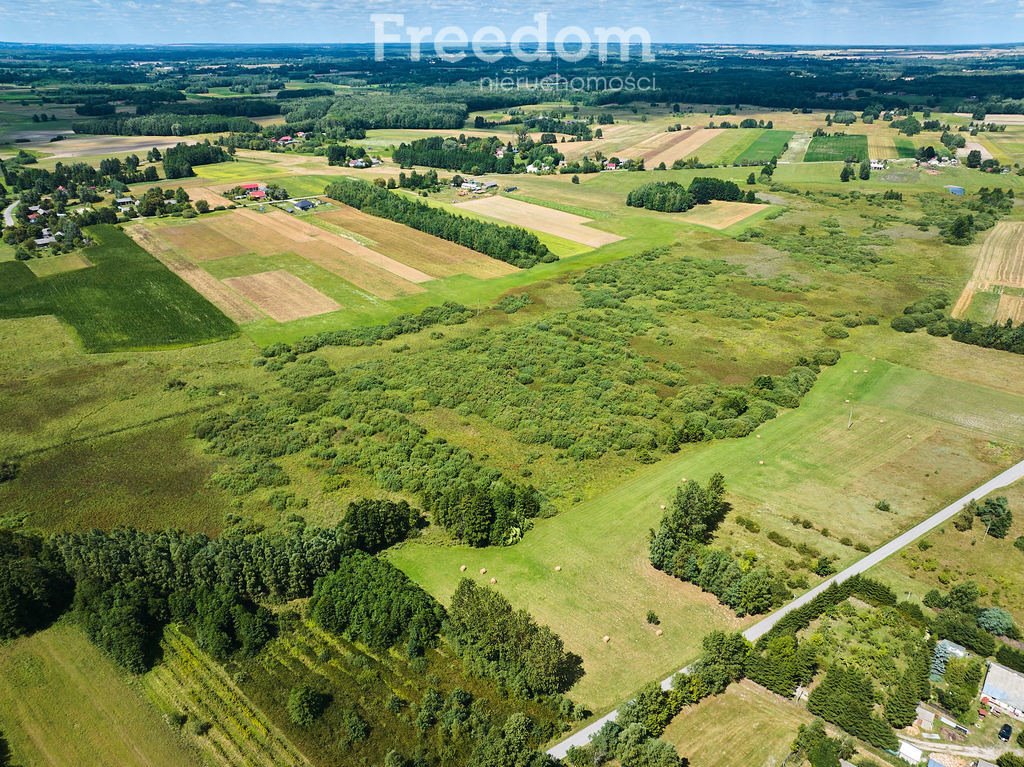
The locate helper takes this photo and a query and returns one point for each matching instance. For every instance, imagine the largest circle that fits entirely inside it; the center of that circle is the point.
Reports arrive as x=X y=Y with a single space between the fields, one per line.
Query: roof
x=1004 y=685
x=249 y=186
x=304 y=204
x=258 y=194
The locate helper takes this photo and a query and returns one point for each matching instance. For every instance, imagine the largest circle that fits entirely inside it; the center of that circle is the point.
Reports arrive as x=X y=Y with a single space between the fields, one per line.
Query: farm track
x=762 y=627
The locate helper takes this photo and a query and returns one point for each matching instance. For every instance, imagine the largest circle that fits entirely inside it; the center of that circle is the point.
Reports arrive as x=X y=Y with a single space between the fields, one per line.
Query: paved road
x=9 y=213
x=762 y=627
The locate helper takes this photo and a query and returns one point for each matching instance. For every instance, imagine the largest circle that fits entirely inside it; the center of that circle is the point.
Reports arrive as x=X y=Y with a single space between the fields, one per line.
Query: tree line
x=672 y=197
x=162 y=124
x=505 y=243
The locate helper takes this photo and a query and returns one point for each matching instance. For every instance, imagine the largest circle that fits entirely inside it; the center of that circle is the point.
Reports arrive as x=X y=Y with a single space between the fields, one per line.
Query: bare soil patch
x=283 y=296
x=719 y=214
x=679 y=146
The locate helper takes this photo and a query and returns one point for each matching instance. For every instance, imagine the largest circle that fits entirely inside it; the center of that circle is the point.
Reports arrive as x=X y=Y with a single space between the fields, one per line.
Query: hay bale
x=494 y=581
x=483 y=571
x=606 y=639
x=760 y=463
x=558 y=568
x=462 y=569
x=662 y=507
x=658 y=633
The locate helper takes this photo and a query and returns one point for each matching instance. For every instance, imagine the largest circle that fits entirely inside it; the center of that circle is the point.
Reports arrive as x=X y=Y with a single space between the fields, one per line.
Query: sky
x=798 y=22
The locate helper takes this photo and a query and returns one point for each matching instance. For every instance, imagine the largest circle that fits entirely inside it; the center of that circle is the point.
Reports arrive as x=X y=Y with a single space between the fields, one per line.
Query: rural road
x=9 y=213
x=765 y=625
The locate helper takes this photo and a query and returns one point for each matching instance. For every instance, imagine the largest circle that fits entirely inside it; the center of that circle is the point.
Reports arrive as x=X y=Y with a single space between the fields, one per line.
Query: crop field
x=672 y=146
x=189 y=682
x=905 y=148
x=1000 y=262
x=65 y=703
x=429 y=254
x=153 y=308
x=556 y=222
x=728 y=146
x=746 y=725
x=808 y=460
x=1011 y=307
x=721 y=215
x=837 y=148
x=882 y=146
x=771 y=143
x=282 y=295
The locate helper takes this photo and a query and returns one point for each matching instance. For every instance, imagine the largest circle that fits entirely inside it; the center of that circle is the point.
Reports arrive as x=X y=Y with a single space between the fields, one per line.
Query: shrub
x=306 y=705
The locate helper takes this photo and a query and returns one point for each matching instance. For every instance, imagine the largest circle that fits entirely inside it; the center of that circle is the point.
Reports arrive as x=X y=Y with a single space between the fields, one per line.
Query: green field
x=727 y=147
x=65 y=703
x=128 y=300
x=837 y=148
x=706 y=734
x=905 y=147
x=901 y=447
x=771 y=143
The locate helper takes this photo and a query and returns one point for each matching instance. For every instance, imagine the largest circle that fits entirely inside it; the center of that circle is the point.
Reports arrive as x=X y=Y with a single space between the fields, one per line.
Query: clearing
x=525 y=214
x=282 y=295
x=50 y=265
x=706 y=734
x=1000 y=263
x=719 y=214
x=65 y=703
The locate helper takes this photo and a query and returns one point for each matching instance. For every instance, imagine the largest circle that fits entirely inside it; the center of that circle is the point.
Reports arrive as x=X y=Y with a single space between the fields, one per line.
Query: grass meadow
x=65 y=703
x=837 y=147
x=901 y=447
x=771 y=143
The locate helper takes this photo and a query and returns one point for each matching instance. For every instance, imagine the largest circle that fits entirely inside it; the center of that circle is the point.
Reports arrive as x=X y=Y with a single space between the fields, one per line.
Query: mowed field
x=907 y=444
x=669 y=147
x=64 y=703
x=282 y=295
x=746 y=726
x=837 y=148
x=1000 y=263
x=559 y=223
x=719 y=214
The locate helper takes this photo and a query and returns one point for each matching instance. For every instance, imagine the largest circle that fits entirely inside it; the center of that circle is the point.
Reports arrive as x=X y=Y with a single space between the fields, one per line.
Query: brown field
x=974 y=145
x=49 y=265
x=65 y=703
x=215 y=291
x=1010 y=308
x=433 y=255
x=721 y=215
x=243 y=232
x=565 y=225
x=86 y=146
x=1000 y=262
x=209 y=194
x=282 y=295
x=1005 y=119
x=678 y=147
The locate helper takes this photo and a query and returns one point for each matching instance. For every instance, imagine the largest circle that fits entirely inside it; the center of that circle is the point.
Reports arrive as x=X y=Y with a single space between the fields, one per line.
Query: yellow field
x=719 y=214
x=65 y=704
x=1000 y=262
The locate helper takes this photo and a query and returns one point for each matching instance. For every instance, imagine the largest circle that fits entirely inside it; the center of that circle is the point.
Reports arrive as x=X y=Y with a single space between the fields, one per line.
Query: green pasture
x=837 y=148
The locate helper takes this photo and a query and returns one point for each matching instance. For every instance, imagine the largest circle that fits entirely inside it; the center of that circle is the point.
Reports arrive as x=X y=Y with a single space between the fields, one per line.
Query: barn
x=1004 y=689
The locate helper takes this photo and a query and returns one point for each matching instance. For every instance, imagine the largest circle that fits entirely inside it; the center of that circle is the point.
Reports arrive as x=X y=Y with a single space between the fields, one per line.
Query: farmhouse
x=1004 y=690
x=305 y=205
x=253 y=190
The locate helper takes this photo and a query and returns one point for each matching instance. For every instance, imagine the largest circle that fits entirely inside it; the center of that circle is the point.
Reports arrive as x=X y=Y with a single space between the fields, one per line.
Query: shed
x=1004 y=687
x=304 y=205
x=956 y=190
x=910 y=753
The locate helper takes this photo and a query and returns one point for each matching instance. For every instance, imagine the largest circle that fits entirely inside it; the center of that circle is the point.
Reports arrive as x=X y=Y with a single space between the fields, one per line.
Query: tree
x=865 y=171
x=974 y=159
x=306 y=705
x=693 y=516
x=997 y=621
x=202 y=206
x=751 y=179
x=846 y=173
